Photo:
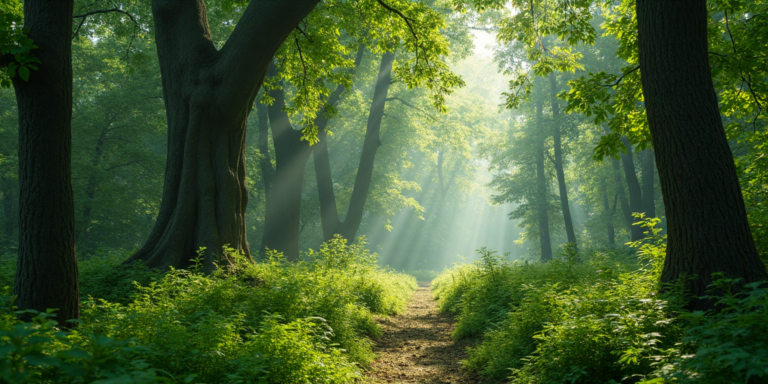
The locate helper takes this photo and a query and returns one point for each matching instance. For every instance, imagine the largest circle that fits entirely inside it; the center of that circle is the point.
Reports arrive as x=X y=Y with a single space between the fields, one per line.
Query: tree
x=542 y=201
x=558 y=145
x=331 y=223
x=708 y=230
x=283 y=205
x=46 y=273
x=208 y=95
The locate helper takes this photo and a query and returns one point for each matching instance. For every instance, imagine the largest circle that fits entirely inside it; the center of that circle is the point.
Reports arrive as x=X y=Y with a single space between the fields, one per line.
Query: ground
x=417 y=347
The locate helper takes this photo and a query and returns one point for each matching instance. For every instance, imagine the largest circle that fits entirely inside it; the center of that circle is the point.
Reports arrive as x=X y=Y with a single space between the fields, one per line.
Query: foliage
x=601 y=320
x=265 y=322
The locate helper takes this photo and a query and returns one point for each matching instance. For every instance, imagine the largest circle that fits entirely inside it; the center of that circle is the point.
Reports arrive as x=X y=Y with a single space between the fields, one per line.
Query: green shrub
x=105 y=277
x=597 y=317
x=263 y=322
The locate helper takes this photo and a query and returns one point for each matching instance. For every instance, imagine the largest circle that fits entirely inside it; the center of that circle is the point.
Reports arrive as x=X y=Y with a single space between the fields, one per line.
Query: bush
x=264 y=322
x=597 y=318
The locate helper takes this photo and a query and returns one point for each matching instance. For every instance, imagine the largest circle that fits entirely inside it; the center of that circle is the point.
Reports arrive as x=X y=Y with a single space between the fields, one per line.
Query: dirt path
x=417 y=346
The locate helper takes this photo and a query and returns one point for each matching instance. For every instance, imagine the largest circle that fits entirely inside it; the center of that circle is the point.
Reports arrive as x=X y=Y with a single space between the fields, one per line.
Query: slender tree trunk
x=267 y=171
x=348 y=228
x=607 y=214
x=10 y=213
x=541 y=188
x=208 y=95
x=649 y=191
x=282 y=221
x=90 y=189
x=46 y=272
x=625 y=210
x=556 y=134
x=440 y=158
x=633 y=186
x=329 y=211
x=707 y=224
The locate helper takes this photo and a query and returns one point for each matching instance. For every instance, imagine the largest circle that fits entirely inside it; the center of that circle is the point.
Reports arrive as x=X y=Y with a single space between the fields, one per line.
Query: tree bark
x=649 y=190
x=541 y=188
x=46 y=272
x=707 y=223
x=282 y=221
x=208 y=95
x=607 y=214
x=331 y=223
x=556 y=134
x=633 y=186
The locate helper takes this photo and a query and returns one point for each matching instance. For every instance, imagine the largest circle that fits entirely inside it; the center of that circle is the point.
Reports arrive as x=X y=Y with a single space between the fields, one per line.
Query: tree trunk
x=90 y=189
x=649 y=191
x=607 y=214
x=633 y=186
x=10 y=213
x=267 y=171
x=208 y=95
x=707 y=224
x=559 y=162
x=440 y=159
x=626 y=212
x=329 y=211
x=541 y=188
x=282 y=221
x=46 y=272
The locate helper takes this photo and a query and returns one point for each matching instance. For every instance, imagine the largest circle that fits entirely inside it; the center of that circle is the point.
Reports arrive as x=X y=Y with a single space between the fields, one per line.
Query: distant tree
x=331 y=223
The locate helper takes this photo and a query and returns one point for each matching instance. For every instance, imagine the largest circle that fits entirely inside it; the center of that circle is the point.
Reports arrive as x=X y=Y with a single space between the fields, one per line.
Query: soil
x=417 y=347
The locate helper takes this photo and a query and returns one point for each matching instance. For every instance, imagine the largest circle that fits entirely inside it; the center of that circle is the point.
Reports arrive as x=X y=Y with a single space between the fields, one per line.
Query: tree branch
x=121 y=165
x=395 y=11
x=84 y=16
x=623 y=75
x=244 y=59
x=411 y=105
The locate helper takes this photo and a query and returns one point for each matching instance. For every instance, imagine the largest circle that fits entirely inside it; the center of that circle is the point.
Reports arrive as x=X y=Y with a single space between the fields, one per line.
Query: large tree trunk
x=328 y=208
x=208 y=95
x=707 y=224
x=541 y=188
x=633 y=186
x=607 y=214
x=556 y=134
x=649 y=191
x=282 y=219
x=46 y=273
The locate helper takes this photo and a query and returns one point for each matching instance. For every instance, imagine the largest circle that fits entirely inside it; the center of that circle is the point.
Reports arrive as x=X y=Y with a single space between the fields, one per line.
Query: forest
x=384 y=191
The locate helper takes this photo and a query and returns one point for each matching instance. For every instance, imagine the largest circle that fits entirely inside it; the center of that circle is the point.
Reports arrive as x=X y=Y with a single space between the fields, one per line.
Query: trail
x=417 y=347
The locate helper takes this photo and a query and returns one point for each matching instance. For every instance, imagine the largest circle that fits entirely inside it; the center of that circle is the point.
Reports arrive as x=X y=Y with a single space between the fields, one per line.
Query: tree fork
x=208 y=95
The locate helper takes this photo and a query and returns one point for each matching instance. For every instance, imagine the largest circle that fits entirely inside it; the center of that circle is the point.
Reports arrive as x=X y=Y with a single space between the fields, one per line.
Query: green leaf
x=24 y=73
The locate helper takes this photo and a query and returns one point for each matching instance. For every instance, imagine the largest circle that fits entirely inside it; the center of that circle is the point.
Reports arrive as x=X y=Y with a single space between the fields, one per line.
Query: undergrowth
x=597 y=317
x=265 y=322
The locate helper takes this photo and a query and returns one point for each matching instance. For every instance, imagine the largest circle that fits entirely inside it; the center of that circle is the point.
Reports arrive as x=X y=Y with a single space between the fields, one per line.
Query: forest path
x=417 y=347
